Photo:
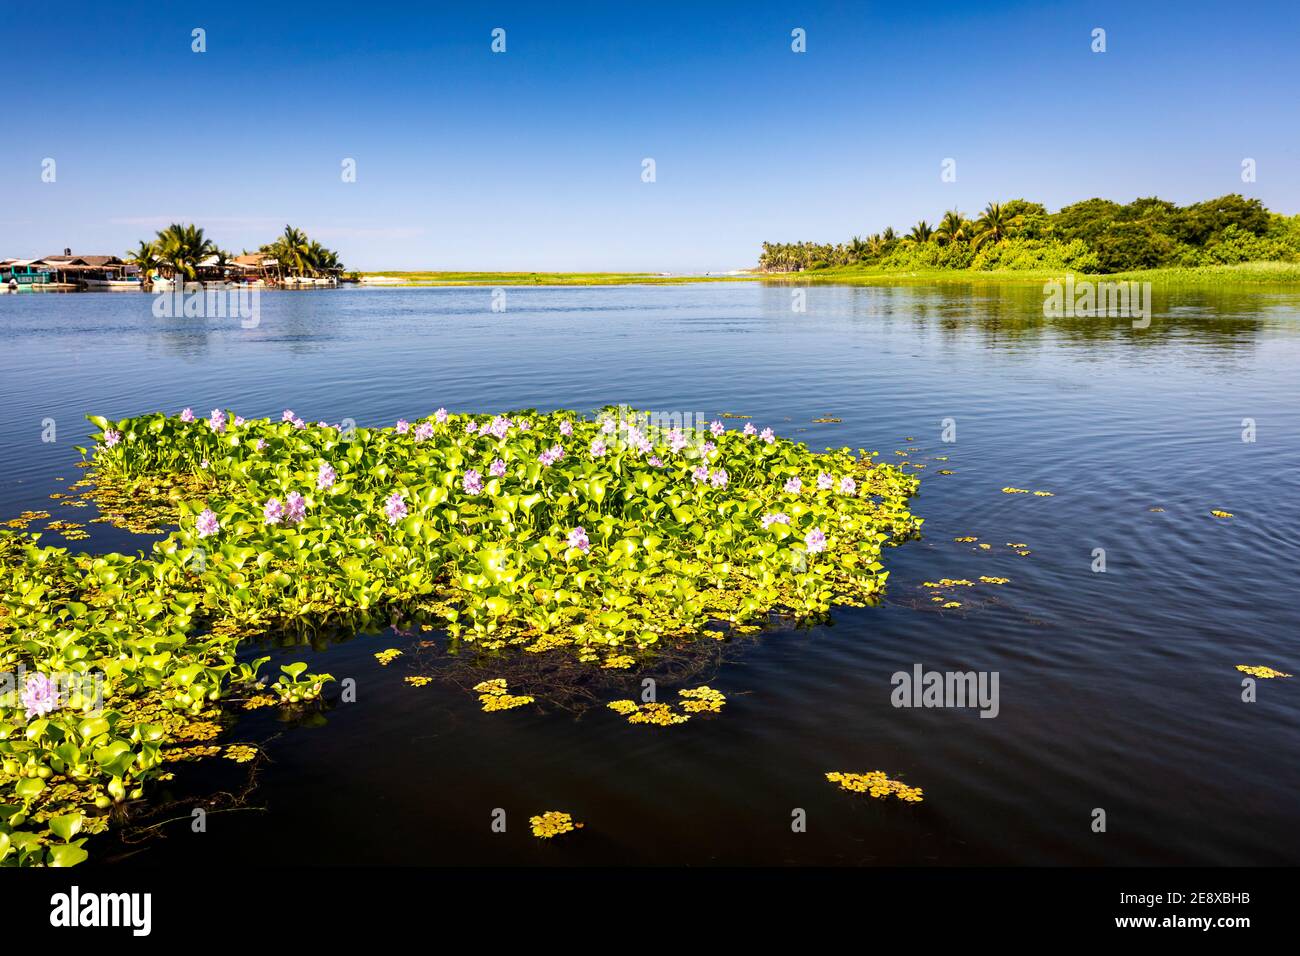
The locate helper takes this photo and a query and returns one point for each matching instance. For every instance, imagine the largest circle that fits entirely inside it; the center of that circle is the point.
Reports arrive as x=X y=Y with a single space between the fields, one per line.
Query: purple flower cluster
x=206 y=524
x=40 y=695
x=395 y=508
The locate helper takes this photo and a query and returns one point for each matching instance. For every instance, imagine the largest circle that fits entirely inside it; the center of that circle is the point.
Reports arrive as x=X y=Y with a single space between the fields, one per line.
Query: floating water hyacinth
x=592 y=558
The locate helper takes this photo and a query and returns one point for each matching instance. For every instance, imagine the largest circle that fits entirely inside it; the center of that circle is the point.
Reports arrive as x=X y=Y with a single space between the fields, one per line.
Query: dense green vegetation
x=1093 y=236
x=543 y=534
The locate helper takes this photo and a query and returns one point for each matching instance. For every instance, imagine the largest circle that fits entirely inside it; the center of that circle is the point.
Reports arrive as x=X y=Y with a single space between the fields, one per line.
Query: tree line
x=1095 y=235
x=180 y=248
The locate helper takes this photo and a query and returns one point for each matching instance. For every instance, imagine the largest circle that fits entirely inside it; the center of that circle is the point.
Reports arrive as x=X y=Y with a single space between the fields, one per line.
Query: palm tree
x=954 y=227
x=875 y=245
x=182 y=247
x=145 y=257
x=995 y=225
x=889 y=236
x=921 y=232
x=857 y=249
x=295 y=250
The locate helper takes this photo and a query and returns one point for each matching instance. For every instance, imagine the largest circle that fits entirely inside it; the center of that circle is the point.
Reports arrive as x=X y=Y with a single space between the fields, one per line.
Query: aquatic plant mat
x=566 y=549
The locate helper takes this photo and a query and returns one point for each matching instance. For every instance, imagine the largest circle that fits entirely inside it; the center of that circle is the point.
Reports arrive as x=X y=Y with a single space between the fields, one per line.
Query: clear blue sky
x=532 y=159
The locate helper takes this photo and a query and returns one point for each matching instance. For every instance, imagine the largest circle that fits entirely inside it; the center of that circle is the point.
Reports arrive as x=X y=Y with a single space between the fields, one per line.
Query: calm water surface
x=1118 y=690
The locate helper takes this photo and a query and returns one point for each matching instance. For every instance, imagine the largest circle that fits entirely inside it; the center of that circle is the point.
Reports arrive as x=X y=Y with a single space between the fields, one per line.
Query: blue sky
x=531 y=159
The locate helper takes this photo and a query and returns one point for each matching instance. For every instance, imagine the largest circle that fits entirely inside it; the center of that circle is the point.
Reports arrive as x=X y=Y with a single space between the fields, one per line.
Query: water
x=1117 y=690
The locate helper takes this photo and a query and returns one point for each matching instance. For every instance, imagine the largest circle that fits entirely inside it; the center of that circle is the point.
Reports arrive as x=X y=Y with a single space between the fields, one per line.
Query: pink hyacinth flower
x=779 y=517
x=402 y=426
x=497 y=468
x=273 y=511
x=187 y=415
x=578 y=539
x=296 y=506
x=767 y=435
x=719 y=478
x=287 y=415
x=472 y=482
x=206 y=524
x=440 y=416
x=794 y=486
x=825 y=482
x=395 y=508
x=815 y=540
x=717 y=428
x=325 y=477
x=848 y=486
x=424 y=431
x=40 y=695
x=566 y=428
x=750 y=430
x=111 y=438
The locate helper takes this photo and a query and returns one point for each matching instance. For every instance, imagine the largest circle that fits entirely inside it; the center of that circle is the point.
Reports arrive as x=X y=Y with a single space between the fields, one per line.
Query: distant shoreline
x=1248 y=273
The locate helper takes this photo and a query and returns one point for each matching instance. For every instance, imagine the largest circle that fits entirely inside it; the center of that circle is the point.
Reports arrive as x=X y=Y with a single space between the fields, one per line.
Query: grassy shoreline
x=539 y=278
x=1285 y=274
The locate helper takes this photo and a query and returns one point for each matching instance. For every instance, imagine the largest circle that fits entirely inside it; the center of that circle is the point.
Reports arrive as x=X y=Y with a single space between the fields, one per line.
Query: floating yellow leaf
x=877 y=784
x=1264 y=672
x=552 y=823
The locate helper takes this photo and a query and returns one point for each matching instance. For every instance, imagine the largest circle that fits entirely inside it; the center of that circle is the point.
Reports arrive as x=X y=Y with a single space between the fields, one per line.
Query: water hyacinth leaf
x=67 y=854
